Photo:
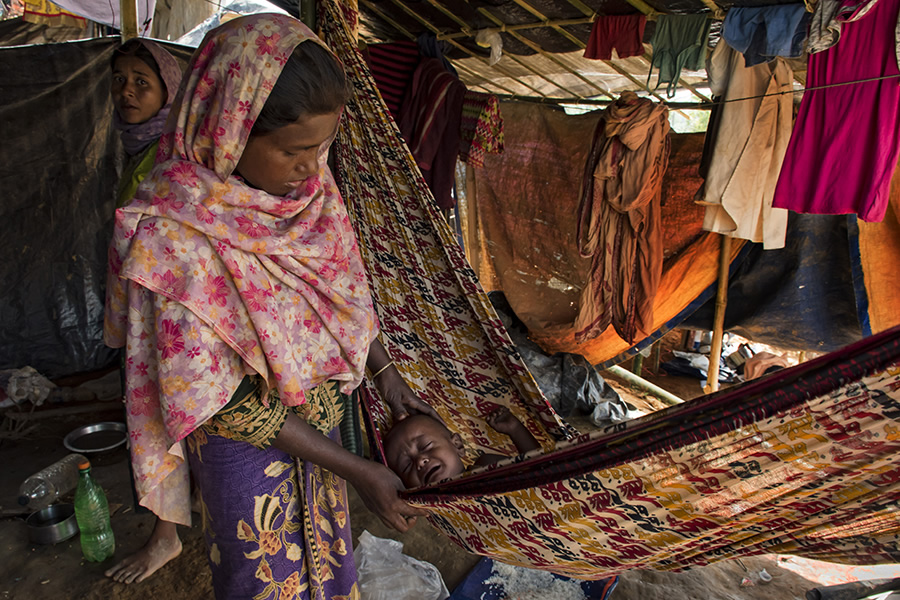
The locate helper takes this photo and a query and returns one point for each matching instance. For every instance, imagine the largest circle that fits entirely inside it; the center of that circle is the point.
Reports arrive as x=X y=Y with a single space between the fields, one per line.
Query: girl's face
x=137 y=91
x=279 y=161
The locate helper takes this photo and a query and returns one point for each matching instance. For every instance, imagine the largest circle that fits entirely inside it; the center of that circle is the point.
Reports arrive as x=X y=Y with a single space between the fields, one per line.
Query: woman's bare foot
x=163 y=546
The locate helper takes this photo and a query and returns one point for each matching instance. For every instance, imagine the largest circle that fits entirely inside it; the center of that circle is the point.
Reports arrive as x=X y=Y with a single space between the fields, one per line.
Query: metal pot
x=52 y=525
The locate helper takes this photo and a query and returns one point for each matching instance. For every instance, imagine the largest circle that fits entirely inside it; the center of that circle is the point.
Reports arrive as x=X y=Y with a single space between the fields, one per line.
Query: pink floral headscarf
x=136 y=137
x=210 y=279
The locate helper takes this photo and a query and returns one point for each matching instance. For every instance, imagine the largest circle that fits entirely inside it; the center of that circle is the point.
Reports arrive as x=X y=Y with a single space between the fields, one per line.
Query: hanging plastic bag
x=385 y=573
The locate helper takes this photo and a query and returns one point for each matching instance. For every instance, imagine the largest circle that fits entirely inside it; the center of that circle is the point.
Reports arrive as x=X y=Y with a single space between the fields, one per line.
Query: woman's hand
x=402 y=400
x=378 y=487
x=392 y=388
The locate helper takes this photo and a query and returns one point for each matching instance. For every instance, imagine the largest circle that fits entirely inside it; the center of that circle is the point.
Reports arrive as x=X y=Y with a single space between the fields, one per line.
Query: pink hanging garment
x=845 y=143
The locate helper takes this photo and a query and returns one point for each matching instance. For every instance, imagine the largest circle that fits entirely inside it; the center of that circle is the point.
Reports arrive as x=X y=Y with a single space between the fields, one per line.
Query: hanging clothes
x=392 y=65
x=761 y=33
x=430 y=121
x=619 y=218
x=829 y=16
x=481 y=129
x=679 y=42
x=845 y=145
x=748 y=147
x=625 y=33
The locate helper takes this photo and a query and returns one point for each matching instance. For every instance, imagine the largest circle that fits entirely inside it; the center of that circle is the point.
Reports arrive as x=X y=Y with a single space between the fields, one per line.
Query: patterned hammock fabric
x=801 y=462
x=437 y=323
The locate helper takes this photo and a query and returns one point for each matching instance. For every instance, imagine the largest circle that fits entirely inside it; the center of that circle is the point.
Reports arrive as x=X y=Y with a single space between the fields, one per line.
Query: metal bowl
x=52 y=525
x=95 y=438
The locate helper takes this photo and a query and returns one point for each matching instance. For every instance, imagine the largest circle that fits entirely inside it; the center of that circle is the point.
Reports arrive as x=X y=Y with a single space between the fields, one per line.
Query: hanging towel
x=431 y=47
x=762 y=33
x=679 y=42
x=625 y=33
x=481 y=129
x=844 y=148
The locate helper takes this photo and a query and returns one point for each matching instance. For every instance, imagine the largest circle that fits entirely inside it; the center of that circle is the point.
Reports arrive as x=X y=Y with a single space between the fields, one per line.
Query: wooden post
x=128 y=20
x=308 y=13
x=654 y=357
x=637 y=364
x=715 y=351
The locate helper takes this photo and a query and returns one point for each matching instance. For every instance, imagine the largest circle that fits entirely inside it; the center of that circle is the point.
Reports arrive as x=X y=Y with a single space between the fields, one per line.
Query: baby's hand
x=504 y=421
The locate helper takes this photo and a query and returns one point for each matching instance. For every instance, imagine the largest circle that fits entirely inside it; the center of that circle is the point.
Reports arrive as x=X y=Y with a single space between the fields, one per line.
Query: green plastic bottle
x=92 y=515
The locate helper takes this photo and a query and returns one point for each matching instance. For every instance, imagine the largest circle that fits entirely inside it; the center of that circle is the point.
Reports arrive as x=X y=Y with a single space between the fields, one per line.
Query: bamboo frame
x=467 y=31
x=715 y=351
x=484 y=11
x=520 y=27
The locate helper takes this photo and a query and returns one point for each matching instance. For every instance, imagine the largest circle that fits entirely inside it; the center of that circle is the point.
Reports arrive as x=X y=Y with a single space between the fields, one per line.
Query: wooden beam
x=558 y=23
x=434 y=30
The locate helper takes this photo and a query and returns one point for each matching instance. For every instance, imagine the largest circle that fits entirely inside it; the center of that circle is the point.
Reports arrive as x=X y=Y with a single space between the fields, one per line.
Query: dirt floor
x=29 y=571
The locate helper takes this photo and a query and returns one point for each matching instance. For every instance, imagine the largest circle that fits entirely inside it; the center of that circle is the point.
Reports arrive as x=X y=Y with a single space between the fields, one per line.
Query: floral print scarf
x=210 y=279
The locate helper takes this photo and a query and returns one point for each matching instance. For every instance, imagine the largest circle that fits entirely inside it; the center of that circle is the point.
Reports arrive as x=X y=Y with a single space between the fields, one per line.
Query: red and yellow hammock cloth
x=803 y=462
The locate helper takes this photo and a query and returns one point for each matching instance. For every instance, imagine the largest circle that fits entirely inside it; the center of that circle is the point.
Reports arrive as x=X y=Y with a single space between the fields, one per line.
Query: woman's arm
x=376 y=484
x=393 y=389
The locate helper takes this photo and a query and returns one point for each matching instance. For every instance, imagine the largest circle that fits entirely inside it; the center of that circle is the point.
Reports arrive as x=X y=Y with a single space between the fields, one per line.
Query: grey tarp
x=58 y=172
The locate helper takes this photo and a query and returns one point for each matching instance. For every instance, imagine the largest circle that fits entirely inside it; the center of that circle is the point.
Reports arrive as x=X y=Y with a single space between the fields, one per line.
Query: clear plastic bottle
x=92 y=515
x=44 y=487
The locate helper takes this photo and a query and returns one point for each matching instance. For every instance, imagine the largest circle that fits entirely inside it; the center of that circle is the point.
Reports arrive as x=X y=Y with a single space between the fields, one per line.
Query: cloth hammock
x=801 y=462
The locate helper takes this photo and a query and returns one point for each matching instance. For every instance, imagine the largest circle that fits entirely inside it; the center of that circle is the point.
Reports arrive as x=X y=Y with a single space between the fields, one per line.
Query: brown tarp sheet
x=521 y=218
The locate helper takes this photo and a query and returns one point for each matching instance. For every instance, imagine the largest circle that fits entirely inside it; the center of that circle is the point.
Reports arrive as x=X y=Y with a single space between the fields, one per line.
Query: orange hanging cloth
x=619 y=218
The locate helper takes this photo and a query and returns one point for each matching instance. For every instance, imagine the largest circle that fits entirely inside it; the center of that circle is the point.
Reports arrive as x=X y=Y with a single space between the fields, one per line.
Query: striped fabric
x=392 y=65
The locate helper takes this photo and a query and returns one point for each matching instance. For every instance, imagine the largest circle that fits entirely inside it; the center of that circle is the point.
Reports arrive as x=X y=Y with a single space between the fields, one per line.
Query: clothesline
x=690 y=105
x=806 y=89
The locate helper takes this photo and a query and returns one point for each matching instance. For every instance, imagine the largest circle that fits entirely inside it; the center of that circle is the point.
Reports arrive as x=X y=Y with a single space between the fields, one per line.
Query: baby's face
x=421 y=451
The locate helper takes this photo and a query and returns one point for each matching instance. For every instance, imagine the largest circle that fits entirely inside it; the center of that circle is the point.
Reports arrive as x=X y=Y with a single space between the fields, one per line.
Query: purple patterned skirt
x=275 y=527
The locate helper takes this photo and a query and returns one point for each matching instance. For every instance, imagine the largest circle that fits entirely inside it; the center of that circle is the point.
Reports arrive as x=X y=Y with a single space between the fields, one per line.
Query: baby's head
x=422 y=451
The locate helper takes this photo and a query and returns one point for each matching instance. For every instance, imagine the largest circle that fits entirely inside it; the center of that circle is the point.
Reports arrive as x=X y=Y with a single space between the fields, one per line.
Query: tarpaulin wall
x=59 y=165
x=802 y=296
x=521 y=221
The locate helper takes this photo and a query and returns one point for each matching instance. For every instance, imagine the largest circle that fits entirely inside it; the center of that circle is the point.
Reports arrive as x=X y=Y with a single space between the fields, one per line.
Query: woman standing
x=144 y=82
x=239 y=294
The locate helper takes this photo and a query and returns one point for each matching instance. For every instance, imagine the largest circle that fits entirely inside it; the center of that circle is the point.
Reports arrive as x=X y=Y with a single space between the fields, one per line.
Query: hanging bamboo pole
x=715 y=351
x=128 y=25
